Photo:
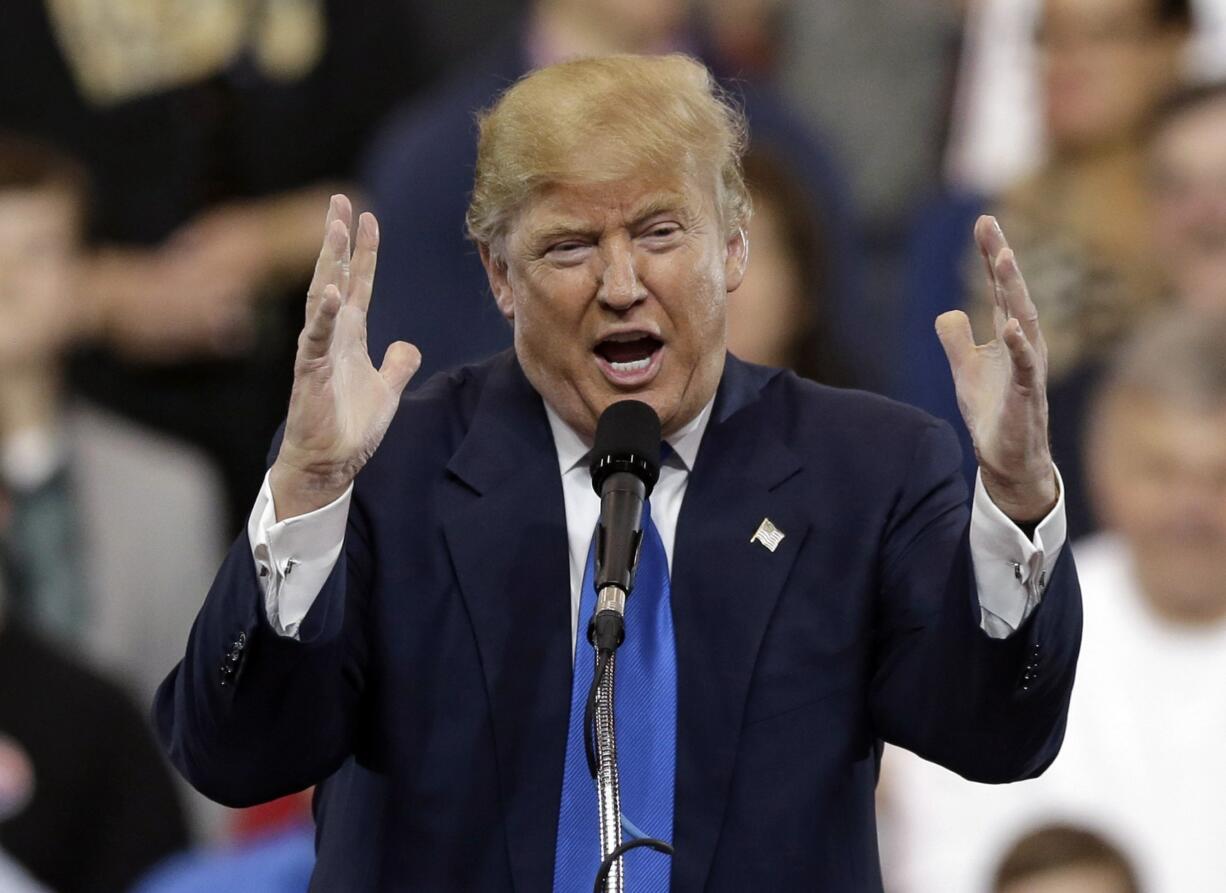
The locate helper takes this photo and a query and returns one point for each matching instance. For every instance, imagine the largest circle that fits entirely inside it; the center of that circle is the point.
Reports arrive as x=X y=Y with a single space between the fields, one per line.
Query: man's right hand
x=340 y=406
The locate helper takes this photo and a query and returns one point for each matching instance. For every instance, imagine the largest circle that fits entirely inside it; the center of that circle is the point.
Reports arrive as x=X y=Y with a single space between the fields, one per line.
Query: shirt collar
x=573 y=450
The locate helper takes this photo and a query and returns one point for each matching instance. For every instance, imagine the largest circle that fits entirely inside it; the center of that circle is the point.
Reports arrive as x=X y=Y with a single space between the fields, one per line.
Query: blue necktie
x=646 y=709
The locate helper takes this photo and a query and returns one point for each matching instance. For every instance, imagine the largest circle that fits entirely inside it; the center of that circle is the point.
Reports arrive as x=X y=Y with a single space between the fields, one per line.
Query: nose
x=620 y=287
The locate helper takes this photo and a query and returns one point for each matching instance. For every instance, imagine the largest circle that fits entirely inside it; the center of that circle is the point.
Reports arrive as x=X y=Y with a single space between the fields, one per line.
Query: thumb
x=400 y=363
x=954 y=330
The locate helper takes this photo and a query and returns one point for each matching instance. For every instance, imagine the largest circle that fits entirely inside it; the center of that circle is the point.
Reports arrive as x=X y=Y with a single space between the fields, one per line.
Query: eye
x=662 y=233
x=569 y=251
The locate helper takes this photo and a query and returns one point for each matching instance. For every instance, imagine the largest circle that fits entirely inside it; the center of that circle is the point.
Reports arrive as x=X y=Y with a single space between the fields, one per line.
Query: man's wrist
x=295 y=492
x=1024 y=502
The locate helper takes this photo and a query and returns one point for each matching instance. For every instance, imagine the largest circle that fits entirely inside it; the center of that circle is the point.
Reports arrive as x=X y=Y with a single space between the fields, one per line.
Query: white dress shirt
x=294 y=557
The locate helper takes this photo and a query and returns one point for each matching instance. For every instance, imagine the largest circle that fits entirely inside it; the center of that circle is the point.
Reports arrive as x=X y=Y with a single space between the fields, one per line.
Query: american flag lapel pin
x=768 y=535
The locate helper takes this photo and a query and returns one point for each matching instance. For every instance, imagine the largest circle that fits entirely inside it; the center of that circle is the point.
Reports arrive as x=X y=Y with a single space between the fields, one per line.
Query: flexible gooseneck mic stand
x=625 y=468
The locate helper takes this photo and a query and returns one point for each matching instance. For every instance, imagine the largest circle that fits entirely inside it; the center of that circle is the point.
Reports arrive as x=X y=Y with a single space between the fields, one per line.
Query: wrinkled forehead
x=596 y=204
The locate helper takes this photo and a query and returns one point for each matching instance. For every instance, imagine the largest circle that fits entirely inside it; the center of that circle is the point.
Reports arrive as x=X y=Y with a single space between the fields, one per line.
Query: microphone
x=625 y=466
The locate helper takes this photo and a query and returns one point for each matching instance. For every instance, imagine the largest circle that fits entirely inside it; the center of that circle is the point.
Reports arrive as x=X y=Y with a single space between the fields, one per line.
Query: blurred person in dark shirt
x=211 y=133
x=86 y=802
x=1064 y=859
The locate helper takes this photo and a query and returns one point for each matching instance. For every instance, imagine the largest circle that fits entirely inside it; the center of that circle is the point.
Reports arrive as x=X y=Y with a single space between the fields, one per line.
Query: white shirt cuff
x=1011 y=572
x=294 y=557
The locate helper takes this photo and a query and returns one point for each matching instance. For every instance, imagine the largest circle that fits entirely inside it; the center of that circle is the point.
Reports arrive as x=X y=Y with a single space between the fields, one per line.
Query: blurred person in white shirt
x=1141 y=761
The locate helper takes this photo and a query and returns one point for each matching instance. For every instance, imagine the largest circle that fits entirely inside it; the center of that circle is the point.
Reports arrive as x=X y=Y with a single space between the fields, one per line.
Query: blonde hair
x=602 y=120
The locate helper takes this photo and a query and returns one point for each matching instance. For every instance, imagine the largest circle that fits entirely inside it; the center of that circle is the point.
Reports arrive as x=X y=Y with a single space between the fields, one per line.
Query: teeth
x=633 y=366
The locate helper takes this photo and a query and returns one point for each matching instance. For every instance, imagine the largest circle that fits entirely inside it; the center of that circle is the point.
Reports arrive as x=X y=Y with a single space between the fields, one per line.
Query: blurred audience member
x=107 y=520
x=1186 y=226
x=41 y=207
x=1064 y=859
x=279 y=863
x=1142 y=754
x=1187 y=177
x=876 y=76
x=431 y=287
x=212 y=134
x=779 y=316
x=272 y=850
x=1080 y=222
x=86 y=803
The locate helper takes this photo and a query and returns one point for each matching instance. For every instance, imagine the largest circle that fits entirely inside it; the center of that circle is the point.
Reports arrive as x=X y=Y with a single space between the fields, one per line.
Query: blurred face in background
x=1104 y=65
x=38 y=243
x=1158 y=472
x=1074 y=879
x=1188 y=194
x=770 y=311
x=639 y=26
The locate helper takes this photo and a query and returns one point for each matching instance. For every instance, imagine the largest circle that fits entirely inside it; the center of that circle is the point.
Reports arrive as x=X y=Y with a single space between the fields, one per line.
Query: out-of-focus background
x=164 y=173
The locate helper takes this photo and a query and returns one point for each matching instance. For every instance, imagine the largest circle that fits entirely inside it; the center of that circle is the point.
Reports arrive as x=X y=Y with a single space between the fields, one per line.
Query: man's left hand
x=1002 y=386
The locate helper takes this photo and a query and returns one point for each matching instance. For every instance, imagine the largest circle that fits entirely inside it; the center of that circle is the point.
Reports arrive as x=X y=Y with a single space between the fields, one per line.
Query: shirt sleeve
x=294 y=557
x=1011 y=571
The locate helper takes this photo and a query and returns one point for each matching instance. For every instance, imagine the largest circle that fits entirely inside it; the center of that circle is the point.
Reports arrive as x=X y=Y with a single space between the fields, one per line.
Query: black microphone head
x=627 y=439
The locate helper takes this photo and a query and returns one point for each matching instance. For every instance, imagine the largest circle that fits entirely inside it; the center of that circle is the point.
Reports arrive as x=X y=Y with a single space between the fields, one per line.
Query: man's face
x=616 y=291
x=1159 y=472
x=1188 y=192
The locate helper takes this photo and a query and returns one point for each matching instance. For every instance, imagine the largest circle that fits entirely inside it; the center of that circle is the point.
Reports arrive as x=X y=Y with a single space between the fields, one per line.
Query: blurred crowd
x=164 y=174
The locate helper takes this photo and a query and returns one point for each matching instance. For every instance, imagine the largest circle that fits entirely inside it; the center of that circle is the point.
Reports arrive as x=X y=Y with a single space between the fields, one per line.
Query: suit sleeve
x=248 y=714
x=990 y=709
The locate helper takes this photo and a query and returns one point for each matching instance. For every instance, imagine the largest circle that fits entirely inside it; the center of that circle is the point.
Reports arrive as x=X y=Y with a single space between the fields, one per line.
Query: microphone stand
x=607 y=780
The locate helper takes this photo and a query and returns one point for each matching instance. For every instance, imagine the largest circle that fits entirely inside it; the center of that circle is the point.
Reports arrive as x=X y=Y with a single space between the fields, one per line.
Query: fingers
x=1018 y=303
x=1009 y=289
x=954 y=330
x=362 y=268
x=990 y=240
x=317 y=336
x=1027 y=372
x=332 y=266
x=400 y=363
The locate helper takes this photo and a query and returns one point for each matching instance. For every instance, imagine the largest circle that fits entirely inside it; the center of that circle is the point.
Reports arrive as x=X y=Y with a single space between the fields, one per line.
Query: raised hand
x=341 y=405
x=1002 y=386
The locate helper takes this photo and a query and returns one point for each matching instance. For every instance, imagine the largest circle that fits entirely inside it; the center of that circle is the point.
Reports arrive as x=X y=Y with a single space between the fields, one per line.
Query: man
x=1141 y=759
x=433 y=290
x=436 y=643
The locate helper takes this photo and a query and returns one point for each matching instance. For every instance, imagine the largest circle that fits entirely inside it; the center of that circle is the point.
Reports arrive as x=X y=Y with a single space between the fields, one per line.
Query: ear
x=500 y=283
x=736 y=258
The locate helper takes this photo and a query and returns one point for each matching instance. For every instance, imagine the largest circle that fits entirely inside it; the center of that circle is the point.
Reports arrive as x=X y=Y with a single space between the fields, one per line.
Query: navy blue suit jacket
x=438 y=655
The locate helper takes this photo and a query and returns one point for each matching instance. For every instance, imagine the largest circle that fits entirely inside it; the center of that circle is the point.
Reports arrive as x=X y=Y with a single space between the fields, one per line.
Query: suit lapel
x=724 y=590
x=505 y=527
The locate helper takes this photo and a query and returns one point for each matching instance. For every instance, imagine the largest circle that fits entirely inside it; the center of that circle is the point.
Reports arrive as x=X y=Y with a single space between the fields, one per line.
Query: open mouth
x=629 y=358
